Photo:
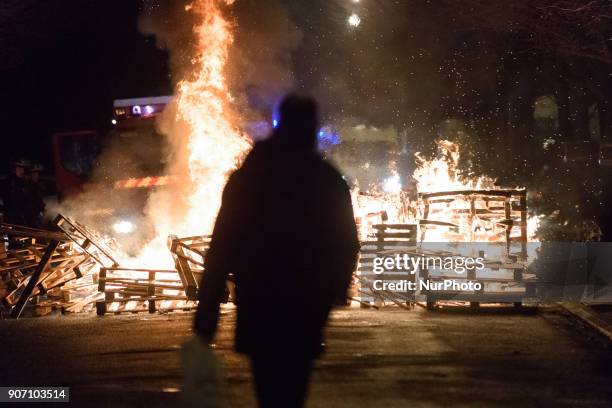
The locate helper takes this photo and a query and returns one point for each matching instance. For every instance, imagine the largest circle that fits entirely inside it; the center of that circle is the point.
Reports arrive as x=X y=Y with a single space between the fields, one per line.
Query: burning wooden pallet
x=136 y=290
x=498 y=215
x=188 y=254
x=492 y=216
x=59 y=264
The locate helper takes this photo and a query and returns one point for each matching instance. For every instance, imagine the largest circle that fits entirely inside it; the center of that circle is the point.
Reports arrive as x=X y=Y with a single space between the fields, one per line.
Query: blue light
x=328 y=138
x=274 y=123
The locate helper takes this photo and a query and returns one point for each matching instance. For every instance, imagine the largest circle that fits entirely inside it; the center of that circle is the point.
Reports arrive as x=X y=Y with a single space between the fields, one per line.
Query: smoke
x=259 y=67
x=258 y=71
x=99 y=201
x=201 y=124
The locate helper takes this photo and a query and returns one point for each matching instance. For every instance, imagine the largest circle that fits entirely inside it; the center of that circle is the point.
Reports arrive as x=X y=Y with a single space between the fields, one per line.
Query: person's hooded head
x=298 y=122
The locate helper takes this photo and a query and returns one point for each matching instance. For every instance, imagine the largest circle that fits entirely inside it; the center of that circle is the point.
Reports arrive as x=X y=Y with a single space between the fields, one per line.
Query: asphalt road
x=391 y=358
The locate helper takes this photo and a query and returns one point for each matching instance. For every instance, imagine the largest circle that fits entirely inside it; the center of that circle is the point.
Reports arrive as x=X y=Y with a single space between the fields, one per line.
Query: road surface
x=389 y=358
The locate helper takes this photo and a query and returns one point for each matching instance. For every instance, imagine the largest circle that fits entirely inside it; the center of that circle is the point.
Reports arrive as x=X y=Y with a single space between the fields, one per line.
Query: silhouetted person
x=287 y=233
x=16 y=194
x=37 y=193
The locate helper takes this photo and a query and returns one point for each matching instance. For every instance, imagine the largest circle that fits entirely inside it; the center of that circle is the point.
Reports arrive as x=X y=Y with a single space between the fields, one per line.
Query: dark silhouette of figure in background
x=37 y=194
x=287 y=233
x=16 y=194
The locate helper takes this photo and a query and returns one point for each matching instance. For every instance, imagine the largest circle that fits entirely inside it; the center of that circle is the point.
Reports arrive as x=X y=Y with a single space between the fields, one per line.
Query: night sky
x=62 y=63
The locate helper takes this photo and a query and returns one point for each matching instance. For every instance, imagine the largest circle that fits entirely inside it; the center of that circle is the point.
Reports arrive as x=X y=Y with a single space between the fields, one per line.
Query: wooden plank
x=87 y=240
x=488 y=192
x=19 y=231
x=18 y=308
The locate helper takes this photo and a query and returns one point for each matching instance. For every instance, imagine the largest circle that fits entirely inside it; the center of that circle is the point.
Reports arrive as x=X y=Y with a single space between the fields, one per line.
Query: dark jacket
x=15 y=193
x=286 y=231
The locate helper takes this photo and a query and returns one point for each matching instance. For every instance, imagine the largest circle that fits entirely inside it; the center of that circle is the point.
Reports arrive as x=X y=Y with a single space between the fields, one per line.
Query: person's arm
x=217 y=266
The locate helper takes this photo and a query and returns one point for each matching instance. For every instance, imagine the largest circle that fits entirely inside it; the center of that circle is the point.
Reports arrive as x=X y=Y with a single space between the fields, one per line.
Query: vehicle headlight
x=123 y=227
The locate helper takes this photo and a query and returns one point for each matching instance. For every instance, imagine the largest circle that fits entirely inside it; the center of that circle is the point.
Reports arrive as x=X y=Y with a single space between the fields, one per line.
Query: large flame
x=206 y=146
x=442 y=173
x=203 y=103
x=438 y=174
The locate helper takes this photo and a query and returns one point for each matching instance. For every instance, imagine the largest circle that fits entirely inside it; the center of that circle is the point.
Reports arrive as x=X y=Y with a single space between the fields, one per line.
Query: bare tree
x=570 y=27
x=573 y=27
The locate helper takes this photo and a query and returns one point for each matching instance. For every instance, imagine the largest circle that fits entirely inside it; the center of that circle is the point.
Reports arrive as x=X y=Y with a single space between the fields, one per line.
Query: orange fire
x=203 y=103
x=205 y=144
x=442 y=173
x=436 y=175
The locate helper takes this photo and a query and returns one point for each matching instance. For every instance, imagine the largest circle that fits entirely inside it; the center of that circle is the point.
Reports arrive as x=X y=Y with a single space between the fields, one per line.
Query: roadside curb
x=587 y=316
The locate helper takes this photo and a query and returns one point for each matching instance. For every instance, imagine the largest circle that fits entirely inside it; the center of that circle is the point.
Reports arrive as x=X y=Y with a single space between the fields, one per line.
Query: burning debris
x=136 y=290
x=205 y=144
x=76 y=268
x=449 y=209
x=474 y=209
x=389 y=223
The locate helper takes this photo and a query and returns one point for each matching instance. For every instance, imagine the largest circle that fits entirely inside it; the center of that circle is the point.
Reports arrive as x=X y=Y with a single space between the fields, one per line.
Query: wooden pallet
x=64 y=265
x=189 y=254
x=502 y=282
x=153 y=304
x=475 y=216
x=495 y=215
x=144 y=305
x=31 y=235
x=122 y=285
x=385 y=238
x=47 y=263
x=102 y=249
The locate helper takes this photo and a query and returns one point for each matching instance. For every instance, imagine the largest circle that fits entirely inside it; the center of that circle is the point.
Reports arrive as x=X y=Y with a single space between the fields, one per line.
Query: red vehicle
x=76 y=154
x=128 y=163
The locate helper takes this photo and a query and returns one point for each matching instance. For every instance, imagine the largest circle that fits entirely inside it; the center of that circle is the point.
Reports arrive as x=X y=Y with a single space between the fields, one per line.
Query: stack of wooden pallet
x=491 y=217
x=384 y=240
x=36 y=263
x=132 y=290
x=75 y=268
